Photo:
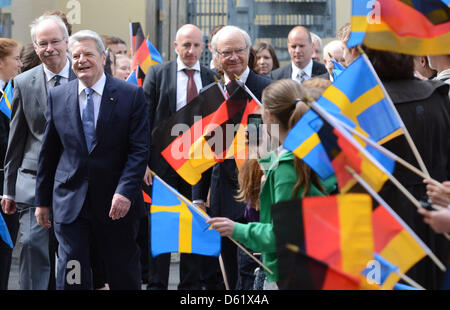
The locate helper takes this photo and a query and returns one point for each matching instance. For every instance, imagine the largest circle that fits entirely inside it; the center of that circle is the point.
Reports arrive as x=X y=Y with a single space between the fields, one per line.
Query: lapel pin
x=111 y=99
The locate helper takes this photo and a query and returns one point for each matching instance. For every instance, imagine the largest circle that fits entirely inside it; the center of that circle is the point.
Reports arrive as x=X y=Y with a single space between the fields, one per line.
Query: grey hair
x=40 y=19
x=87 y=35
x=227 y=30
x=315 y=37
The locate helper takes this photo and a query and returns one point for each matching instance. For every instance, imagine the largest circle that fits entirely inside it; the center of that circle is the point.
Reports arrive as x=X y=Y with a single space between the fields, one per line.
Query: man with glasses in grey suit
x=50 y=38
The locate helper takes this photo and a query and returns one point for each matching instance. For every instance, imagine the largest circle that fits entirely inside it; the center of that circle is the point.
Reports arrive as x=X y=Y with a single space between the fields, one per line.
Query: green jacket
x=280 y=180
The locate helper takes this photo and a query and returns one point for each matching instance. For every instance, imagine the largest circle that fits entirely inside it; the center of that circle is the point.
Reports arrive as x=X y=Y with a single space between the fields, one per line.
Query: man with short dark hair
x=302 y=66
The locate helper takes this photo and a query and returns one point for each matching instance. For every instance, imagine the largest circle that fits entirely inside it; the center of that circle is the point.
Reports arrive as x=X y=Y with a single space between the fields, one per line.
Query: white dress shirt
x=296 y=71
x=182 y=81
x=96 y=96
x=243 y=77
x=64 y=75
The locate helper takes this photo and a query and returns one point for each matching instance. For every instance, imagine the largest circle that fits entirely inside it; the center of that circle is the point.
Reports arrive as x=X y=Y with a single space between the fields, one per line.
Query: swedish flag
x=357 y=95
x=5 y=102
x=177 y=227
x=4 y=233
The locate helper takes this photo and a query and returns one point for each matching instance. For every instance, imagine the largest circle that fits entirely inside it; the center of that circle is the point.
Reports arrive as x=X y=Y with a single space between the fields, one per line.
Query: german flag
x=137 y=36
x=205 y=131
x=335 y=230
x=343 y=152
x=145 y=54
x=395 y=244
x=308 y=273
x=415 y=27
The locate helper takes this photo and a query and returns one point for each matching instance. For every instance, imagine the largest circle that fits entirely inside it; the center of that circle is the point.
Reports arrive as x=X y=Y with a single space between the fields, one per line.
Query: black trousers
x=117 y=247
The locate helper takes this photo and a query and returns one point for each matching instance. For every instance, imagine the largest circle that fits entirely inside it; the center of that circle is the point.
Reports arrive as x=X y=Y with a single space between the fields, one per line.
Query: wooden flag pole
x=224 y=275
x=206 y=217
x=404 y=129
x=389 y=209
x=386 y=152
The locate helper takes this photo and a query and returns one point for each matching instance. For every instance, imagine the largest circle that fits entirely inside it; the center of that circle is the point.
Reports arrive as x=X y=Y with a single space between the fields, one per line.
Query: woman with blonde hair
x=287 y=177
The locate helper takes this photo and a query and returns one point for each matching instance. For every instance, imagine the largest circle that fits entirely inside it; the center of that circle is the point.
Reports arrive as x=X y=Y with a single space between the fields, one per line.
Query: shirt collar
x=308 y=69
x=181 y=65
x=243 y=77
x=2 y=85
x=97 y=87
x=64 y=72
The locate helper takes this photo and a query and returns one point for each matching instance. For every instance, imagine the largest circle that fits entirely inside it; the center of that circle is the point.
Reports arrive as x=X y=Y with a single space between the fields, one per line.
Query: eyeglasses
x=44 y=45
x=227 y=54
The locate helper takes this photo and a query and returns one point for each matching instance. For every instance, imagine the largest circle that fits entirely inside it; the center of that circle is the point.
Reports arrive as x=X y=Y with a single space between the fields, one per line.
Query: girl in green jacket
x=287 y=177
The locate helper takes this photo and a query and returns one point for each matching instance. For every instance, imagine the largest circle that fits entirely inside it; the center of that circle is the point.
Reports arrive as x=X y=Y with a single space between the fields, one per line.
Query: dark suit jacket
x=67 y=172
x=160 y=88
x=222 y=178
x=286 y=71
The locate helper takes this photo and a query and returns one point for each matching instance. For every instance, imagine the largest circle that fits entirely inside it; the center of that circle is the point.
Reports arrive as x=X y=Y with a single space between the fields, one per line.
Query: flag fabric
x=380 y=270
x=308 y=273
x=5 y=102
x=357 y=96
x=184 y=128
x=177 y=227
x=404 y=287
x=338 y=69
x=304 y=142
x=328 y=150
x=415 y=27
x=4 y=232
x=344 y=152
x=132 y=78
x=394 y=243
x=5 y=3
x=213 y=131
x=145 y=54
x=336 y=230
x=137 y=36
x=146 y=193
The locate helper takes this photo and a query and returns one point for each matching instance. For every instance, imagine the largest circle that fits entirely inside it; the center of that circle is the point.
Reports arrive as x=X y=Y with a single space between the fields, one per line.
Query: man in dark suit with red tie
x=168 y=88
x=92 y=162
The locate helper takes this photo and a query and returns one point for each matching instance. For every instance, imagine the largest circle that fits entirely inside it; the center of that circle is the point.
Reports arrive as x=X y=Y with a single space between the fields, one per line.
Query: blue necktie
x=88 y=119
x=57 y=79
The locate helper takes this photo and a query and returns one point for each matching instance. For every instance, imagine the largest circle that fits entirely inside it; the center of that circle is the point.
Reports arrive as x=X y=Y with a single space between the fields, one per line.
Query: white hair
x=316 y=38
x=331 y=47
x=87 y=35
x=227 y=30
x=54 y=18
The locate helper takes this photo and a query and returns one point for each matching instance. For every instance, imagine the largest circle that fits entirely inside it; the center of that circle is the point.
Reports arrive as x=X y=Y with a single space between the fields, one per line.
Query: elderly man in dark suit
x=232 y=46
x=169 y=87
x=302 y=66
x=93 y=159
x=49 y=35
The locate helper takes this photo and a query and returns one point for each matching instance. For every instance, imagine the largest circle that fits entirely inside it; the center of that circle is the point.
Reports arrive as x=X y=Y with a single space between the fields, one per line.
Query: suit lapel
x=108 y=103
x=173 y=87
x=39 y=86
x=74 y=116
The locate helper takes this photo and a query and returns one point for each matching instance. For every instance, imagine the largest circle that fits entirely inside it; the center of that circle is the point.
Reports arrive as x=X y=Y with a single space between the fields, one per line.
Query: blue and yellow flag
x=4 y=233
x=177 y=227
x=5 y=102
x=413 y=27
x=357 y=95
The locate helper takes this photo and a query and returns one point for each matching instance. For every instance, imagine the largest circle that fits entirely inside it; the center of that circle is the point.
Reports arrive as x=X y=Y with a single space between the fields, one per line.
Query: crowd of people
x=79 y=145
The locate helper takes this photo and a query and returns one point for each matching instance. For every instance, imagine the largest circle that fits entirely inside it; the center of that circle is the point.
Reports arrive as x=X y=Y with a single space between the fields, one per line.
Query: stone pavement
x=13 y=284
